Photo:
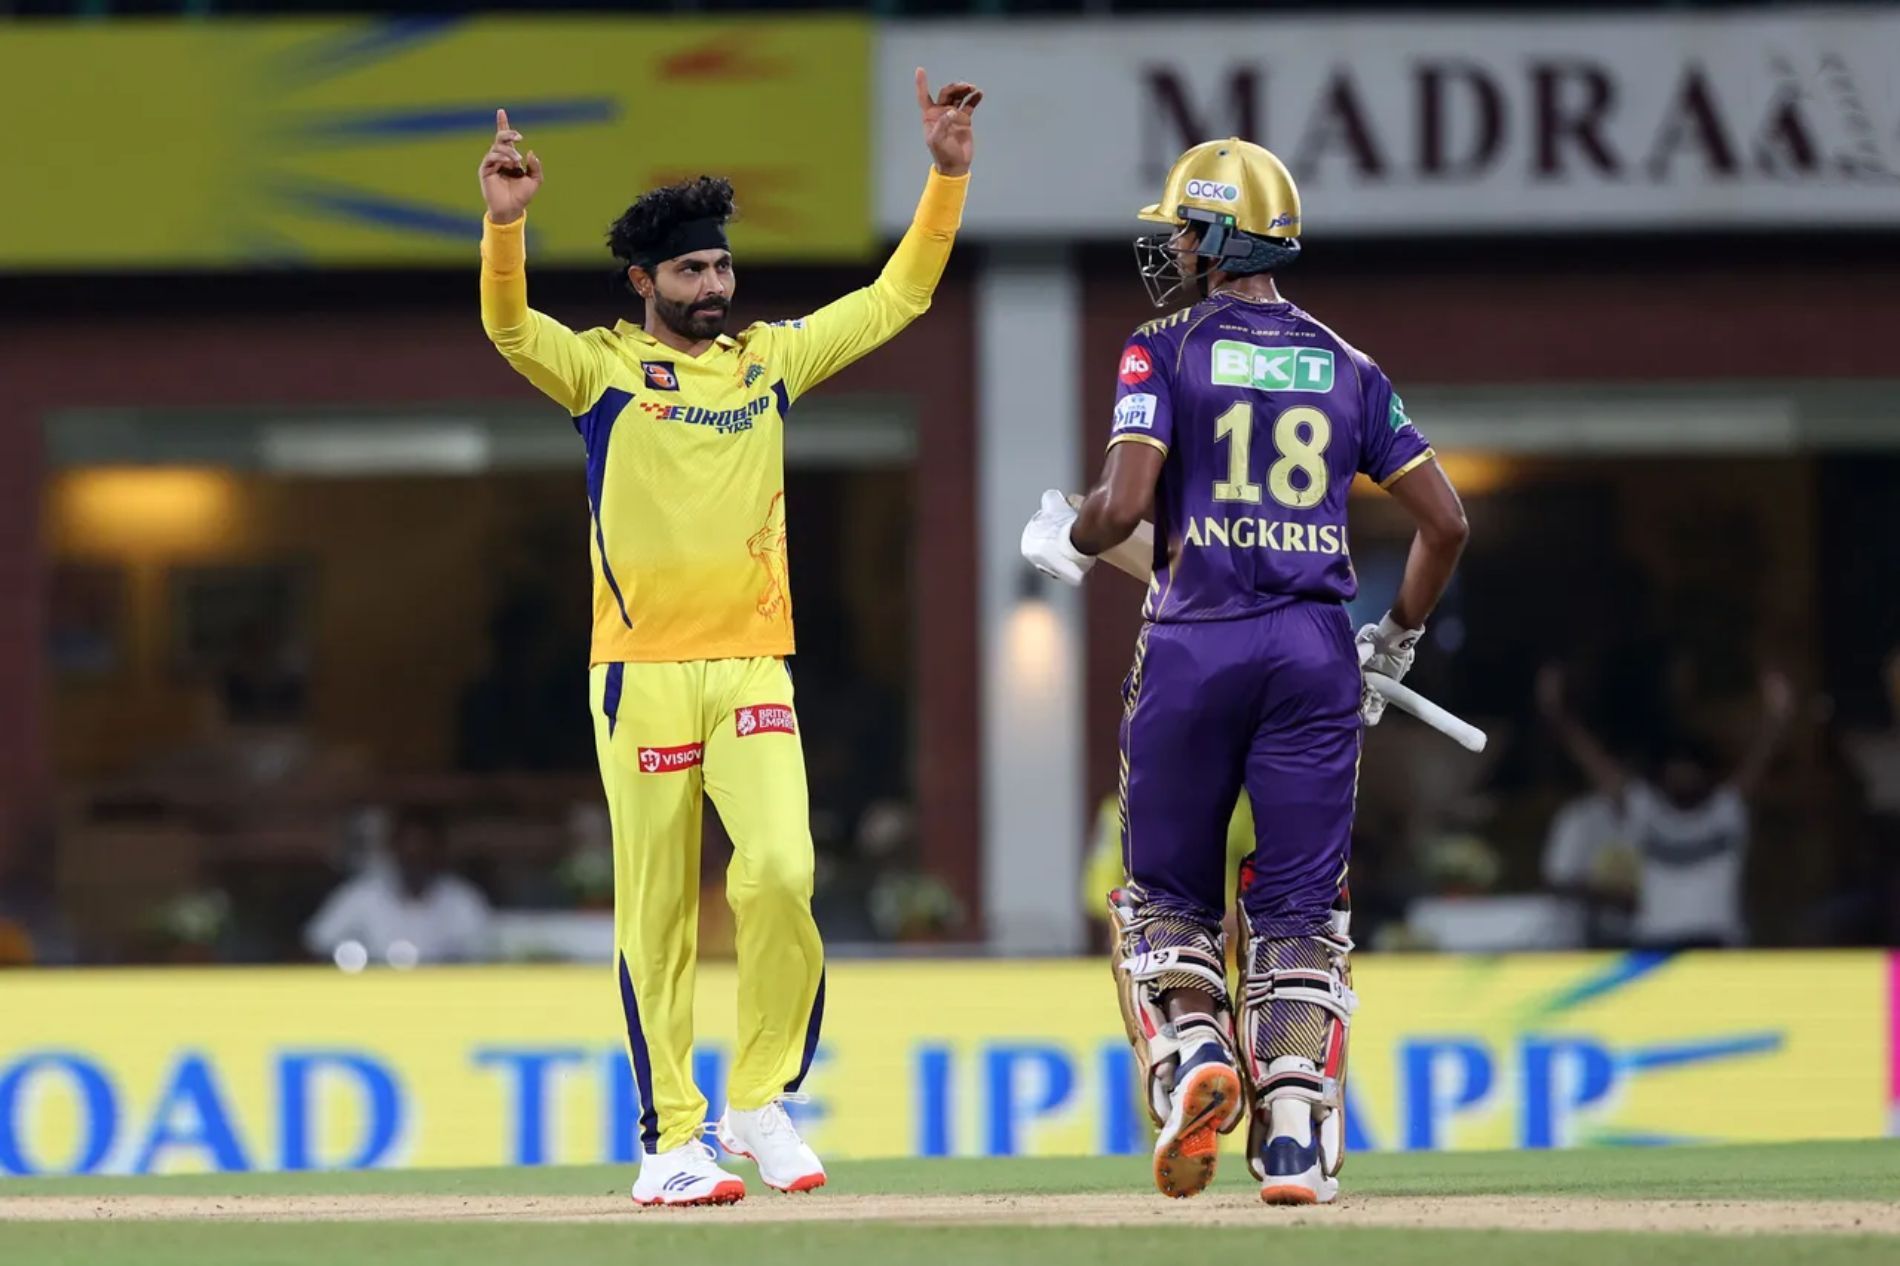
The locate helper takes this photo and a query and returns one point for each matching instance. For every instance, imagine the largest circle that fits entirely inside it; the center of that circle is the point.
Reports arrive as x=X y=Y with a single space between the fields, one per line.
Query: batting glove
x=1046 y=541
x=1386 y=648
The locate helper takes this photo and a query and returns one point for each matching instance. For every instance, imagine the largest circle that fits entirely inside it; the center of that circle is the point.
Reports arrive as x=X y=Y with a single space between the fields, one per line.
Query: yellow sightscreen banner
x=355 y=142
x=189 y=1070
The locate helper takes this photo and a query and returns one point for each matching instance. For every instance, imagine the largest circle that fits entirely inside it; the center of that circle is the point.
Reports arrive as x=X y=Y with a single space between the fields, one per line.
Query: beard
x=701 y=320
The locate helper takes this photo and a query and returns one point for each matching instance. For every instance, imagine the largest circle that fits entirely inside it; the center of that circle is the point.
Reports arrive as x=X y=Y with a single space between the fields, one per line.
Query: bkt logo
x=1213 y=191
x=670 y=760
x=765 y=718
x=1238 y=364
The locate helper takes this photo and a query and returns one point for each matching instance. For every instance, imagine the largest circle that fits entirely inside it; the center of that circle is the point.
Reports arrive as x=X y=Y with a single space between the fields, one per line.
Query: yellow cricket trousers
x=665 y=733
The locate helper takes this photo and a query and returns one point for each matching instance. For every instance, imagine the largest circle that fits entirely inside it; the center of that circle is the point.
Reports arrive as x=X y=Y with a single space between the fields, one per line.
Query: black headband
x=686 y=237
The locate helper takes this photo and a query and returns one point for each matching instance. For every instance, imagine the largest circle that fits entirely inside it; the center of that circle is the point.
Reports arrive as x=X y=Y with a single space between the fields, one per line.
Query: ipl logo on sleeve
x=765 y=718
x=660 y=375
x=1135 y=412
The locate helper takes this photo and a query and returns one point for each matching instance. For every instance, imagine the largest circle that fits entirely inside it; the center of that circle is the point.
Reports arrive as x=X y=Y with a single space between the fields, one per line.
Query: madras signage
x=1471 y=124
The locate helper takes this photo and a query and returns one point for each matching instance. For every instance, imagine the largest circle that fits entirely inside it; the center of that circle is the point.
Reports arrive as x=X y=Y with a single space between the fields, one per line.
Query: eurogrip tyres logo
x=724 y=421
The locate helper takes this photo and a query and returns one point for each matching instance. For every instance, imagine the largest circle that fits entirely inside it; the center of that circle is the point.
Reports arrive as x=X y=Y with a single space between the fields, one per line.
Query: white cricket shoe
x=1207 y=1102
x=768 y=1137
x=1291 y=1168
x=687 y=1175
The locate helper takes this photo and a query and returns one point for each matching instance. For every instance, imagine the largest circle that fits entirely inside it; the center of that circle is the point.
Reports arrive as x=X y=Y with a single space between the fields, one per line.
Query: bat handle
x=1406 y=699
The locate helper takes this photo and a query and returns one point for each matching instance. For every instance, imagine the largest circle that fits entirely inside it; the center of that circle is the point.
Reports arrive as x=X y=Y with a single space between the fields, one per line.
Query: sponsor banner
x=348 y=142
x=1426 y=125
x=189 y=1070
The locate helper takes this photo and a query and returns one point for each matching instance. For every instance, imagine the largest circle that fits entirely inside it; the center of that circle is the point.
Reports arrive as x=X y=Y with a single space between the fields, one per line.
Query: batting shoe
x=686 y=1175
x=1291 y=1169
x=1207 y=1103
x=767 y=1137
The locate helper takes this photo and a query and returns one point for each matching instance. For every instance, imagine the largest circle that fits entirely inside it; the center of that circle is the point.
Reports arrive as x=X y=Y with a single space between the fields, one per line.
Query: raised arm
x=812 y=350
x=1597 y=764
x=1777 y=699
x=544 y=351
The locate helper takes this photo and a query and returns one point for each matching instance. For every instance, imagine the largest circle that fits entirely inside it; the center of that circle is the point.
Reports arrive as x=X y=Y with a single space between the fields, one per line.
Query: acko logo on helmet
x=1213 y=191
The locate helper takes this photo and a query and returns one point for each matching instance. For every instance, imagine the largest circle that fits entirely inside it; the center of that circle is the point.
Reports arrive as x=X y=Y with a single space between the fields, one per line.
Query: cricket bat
x=1135 y=557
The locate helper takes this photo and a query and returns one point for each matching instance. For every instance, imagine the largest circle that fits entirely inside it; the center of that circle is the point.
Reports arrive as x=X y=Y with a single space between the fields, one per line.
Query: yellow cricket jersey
x=686 y=455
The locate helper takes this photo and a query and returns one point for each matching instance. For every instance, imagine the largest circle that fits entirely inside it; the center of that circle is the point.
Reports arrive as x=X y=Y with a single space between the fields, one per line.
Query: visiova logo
x=765 y=718
x=1213 y=191
x=1238 y=364
x=670 y=760
x=1136 y=365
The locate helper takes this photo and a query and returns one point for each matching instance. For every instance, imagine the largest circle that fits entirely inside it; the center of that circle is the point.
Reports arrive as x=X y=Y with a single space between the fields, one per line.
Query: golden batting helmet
x=1239 y=199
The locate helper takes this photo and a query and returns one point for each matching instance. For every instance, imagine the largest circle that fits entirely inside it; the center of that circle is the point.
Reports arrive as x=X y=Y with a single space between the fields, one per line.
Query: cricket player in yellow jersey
x=683 y=429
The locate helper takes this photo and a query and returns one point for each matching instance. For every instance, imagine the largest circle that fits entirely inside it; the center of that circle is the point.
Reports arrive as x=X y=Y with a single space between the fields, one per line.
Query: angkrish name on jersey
x=1298 y=538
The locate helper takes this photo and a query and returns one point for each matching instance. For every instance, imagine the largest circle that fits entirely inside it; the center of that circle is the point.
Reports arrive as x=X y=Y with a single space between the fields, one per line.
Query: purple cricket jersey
x=1265 y=416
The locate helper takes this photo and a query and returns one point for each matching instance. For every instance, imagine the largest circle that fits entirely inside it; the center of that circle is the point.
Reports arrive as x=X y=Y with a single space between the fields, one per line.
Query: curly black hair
x=646 y=223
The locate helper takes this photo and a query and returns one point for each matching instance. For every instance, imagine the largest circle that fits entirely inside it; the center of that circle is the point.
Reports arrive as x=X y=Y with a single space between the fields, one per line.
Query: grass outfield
x=1573 y=1188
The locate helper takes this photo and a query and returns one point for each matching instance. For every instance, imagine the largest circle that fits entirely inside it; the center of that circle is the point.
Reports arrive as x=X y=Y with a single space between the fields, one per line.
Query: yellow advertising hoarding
x=168 y=1071
x=350 y=142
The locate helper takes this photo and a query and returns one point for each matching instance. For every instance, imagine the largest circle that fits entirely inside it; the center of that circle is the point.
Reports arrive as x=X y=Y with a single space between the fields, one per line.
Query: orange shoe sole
x=809 y=1182
x=1287 y=1195
x=724 y=1193
x=1186 y=1165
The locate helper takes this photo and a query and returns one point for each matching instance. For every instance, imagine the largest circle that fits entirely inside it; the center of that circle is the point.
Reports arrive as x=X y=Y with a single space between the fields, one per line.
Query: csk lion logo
x=767 y=545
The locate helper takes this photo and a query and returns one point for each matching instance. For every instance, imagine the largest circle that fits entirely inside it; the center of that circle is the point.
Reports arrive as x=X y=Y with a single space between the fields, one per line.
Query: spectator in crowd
x=1588 y=858
x=1688 y=829
x=407 y=909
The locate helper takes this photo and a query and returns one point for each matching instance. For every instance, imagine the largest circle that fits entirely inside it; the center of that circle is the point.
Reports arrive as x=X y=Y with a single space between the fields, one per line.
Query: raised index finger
x=501 y=121
x=923 y=90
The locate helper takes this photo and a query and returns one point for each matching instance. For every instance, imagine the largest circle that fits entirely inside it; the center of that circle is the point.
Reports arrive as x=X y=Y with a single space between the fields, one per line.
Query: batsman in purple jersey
x=1240 y=425
x=1247 y=674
